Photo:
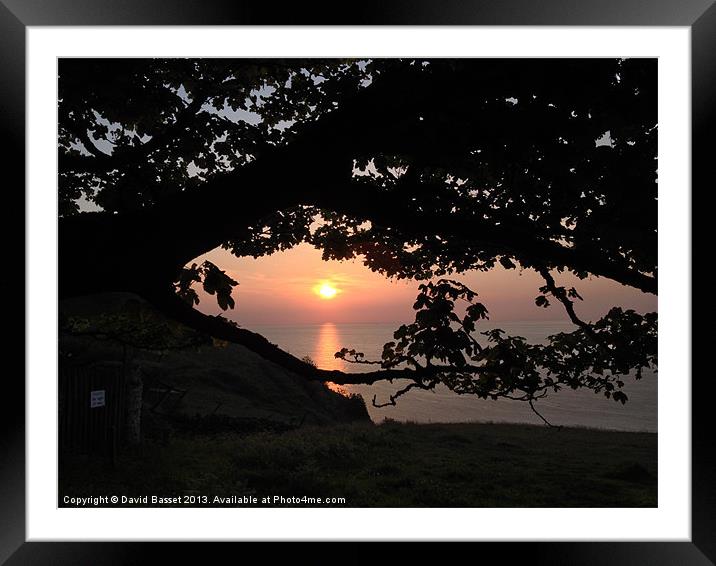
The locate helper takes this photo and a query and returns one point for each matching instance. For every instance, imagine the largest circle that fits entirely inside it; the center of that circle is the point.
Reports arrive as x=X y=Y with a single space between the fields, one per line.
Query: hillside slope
x=205 y=378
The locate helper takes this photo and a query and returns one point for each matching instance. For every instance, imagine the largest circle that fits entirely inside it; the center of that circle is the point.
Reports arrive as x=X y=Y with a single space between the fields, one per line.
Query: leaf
x=217 y=282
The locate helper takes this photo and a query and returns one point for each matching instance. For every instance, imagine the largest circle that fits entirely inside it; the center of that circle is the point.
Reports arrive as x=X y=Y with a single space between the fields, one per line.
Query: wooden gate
x=92 y=408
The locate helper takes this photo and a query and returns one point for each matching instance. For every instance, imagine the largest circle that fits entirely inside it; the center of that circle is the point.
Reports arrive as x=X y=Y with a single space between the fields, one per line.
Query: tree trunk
x=135 y=389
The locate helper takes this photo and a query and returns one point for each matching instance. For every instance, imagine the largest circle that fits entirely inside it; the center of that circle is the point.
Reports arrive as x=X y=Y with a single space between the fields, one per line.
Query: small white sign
x=97 y=398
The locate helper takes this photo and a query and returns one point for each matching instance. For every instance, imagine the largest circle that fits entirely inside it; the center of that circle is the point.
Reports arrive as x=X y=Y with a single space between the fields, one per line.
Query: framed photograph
x=390 y=274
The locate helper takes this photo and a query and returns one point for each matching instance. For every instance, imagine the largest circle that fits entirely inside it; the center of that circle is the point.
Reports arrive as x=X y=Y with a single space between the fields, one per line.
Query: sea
x=582 y=408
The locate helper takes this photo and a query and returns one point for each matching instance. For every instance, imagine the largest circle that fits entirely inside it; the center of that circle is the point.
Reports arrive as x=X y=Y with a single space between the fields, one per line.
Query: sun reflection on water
x=328 y=343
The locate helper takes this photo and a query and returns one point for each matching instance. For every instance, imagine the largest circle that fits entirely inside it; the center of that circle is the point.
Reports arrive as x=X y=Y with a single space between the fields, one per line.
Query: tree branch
x=172 y=306
x=560 y=294
x=384 y=208
x=415 y=384
x=536 y=412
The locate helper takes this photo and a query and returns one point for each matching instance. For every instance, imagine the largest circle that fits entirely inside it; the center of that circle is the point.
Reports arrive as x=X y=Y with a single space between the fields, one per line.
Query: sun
x=326 y=290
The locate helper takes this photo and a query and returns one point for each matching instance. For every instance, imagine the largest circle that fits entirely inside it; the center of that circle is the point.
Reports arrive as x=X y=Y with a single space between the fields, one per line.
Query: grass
x=388 y=465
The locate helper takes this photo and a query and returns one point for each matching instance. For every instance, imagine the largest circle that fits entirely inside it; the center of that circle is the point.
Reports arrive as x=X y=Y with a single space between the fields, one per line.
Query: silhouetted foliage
x=441 y=348
x=135 y=326
x=214 y=281
x=419 y=168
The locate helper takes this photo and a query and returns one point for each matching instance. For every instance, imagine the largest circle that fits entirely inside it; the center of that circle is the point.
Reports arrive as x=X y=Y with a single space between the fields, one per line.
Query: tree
x=422 y=168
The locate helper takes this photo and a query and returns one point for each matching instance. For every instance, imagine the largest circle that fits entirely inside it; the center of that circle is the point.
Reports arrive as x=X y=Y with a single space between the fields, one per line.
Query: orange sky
x=280 y=289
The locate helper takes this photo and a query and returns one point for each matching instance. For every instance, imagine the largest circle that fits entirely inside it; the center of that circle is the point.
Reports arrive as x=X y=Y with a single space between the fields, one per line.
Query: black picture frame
x=17 y=15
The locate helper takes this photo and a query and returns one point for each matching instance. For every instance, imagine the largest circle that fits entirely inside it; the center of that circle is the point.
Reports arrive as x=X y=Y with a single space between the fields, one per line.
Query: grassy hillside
x=393 y=464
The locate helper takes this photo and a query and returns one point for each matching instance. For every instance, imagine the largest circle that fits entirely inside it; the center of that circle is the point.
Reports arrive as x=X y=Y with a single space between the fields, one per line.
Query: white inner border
x=670 y=521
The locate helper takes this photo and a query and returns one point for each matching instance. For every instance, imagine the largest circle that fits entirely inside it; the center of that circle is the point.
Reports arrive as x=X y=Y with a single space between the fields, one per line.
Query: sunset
x=359 y=282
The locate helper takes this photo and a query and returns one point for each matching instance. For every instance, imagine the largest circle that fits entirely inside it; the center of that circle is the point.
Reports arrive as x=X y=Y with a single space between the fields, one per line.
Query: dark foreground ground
x=388 y=465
